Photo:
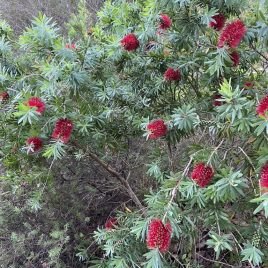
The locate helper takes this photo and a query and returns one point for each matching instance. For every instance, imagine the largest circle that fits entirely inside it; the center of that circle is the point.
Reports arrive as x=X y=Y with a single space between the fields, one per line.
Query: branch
x=175 y=189
x=214 y=151
x=255 y=49
x=218 y=262
x=119 y=177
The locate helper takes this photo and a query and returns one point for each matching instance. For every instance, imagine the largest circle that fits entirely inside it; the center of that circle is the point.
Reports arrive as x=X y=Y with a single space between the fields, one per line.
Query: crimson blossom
x=248 y=85
x=159 y=235
x=35 y=143
x=216 y=101
x=264 y=179
x=130 y=42
x=165 y=22
x=37 y=103
x=232 y=34
x=235 y=58
x=70 y=46
x=157 y=129
x=172 y=74
x=4 y=96
x=219 y=22
x=202 y=174
x=63 y=130
x=110 y=223
x=262 y=108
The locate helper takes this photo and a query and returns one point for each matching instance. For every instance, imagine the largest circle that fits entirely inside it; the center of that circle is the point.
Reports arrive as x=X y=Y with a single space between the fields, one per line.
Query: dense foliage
x=169 y=98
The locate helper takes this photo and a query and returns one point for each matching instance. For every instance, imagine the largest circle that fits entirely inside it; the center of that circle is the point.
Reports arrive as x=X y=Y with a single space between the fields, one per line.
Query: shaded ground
x=20 y=13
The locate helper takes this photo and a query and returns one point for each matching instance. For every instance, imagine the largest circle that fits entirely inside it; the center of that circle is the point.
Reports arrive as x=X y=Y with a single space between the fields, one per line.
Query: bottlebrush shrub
x=100 y=104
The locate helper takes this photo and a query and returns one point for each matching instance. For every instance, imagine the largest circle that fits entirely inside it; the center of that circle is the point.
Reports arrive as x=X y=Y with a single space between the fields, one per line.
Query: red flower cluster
x=232 y=34
x=264 y=176
x=37 y=103
x=4 y=96
x=172 y=75
x=70 y=46
x=165 y=22
x=157 y=129
x=35 y=143
x=130 y=42
x=63 y=130
x=159 y=235
x=219 y=22
x=262 y=108
x=248 y=85
x=217 y=102
x=202 y=174
x=111 y=223
x=235 y=58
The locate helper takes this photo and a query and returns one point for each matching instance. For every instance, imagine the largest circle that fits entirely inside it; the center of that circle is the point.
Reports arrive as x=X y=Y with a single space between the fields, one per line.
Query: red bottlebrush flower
x=248 y=85
x=232 y=34
x=219 y=22
x=165 y=22
x=4 y=96
x=202 y=174
x=235 y=58
x=217 y=102
x=262 y=108
x=70 y=46
x=37 y=103
x=130 y=42
x=35 y=143
x=264 y=176
x=110 y=223
x=159 y=235
x=172 y=75
x=157 y=129
x=63 y=130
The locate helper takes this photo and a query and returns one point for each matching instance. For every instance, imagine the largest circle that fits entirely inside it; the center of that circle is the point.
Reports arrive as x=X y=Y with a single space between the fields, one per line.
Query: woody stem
x=119 y=177
x=175 y=189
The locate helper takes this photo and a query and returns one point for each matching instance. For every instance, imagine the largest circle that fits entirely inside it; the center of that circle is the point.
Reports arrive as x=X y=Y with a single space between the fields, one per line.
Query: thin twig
x=120 y=178
x=175 y=189
x=214 y=151
x=251 y=265
x=219 y=262
x=249 y=160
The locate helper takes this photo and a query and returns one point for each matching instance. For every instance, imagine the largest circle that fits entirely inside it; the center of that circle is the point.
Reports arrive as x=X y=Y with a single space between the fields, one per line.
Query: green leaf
x=55 y=150
x=252 y=254
x=263 y=206
x=153 y=259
